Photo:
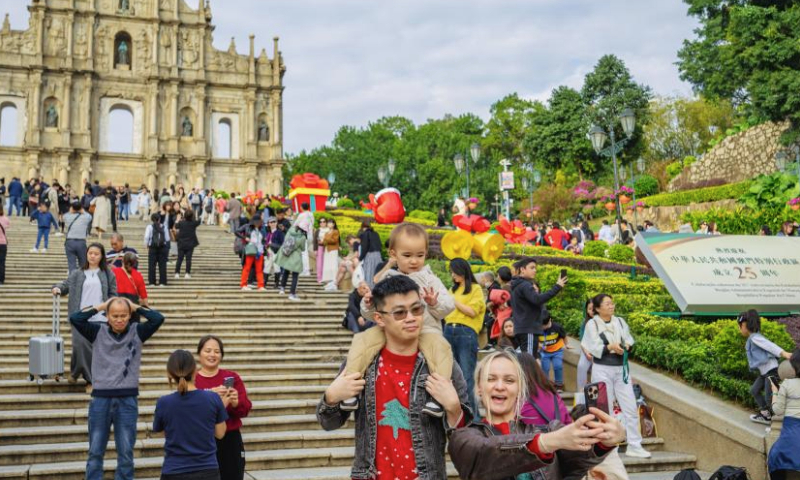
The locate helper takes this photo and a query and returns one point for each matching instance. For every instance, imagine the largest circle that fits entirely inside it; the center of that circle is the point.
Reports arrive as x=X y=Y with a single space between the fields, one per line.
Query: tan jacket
x=786 y=402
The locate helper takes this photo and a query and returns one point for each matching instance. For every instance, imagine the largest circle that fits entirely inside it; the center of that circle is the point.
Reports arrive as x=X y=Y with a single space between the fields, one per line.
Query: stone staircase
x=286 y=353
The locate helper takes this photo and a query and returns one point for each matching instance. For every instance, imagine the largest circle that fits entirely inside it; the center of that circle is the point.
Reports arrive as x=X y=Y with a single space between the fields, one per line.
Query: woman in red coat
x=229 y=386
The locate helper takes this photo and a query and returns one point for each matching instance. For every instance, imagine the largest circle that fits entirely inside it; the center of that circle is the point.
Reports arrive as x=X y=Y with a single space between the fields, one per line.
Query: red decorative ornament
x=514 y=232
x=472 y=223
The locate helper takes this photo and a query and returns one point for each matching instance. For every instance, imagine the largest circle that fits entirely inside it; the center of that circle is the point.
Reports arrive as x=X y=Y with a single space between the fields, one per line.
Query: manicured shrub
x=645 y=185
x=423 y=215
x=595 y=248
x=621 y=253
x=345 y=203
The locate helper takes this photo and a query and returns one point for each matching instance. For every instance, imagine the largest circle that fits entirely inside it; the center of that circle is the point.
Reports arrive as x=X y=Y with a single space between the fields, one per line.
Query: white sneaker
x=246 y=288
x=281 y=292
x=262 y=289
x=187 y=276
x=44 y=250
x=331 y=287
x=59 y=234
x=305 y=274
x=177 y=276
x=294 y=298
x=34 y=250
x=637 y=451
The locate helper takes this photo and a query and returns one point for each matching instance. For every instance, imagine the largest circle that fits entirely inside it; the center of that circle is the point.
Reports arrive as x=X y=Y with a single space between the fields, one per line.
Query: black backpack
x=688 y=474
x=727 y=472
x=158 y=240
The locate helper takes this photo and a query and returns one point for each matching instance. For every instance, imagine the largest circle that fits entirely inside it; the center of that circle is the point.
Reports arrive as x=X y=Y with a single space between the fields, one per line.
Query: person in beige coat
x=102 y=214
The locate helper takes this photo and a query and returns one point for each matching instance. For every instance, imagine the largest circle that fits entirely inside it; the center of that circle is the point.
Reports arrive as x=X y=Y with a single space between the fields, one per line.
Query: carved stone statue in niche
x=122 y=53
x=124 y=5
x=81 y=41
x=51 y=117
x=188 y=128
x=188 y=49
x=263 y=132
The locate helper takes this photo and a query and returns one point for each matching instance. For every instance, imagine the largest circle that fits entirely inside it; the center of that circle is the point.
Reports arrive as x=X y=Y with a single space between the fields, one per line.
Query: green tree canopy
x=747 y=52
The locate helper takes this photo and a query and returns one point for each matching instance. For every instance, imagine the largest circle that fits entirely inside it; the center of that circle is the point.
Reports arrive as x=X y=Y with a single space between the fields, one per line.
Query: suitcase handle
x=56 y=314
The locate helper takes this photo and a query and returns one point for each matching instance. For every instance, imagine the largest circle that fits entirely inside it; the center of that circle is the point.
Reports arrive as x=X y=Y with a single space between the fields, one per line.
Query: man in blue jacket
x=15 y=196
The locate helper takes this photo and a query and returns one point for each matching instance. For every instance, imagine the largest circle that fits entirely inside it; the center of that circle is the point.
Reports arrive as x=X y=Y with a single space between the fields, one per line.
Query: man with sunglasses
x=393 y=438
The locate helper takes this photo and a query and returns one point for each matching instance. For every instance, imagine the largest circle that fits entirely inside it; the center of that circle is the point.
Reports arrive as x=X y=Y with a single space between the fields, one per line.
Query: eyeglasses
x=399 y=315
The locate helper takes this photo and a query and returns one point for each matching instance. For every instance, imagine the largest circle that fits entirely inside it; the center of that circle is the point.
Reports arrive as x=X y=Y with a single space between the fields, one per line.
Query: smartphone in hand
x=227 y=382
x=563 y=273
x=596 y=396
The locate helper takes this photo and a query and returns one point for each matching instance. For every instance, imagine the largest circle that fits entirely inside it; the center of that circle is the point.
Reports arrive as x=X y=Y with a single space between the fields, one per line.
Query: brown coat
x=479 y=452
x=331 y=240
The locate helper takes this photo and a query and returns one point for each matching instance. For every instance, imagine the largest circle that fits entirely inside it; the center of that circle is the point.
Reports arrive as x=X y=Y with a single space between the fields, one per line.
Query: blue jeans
x=15 y=202
x=557 y=360
x=122 y=413
x=464 y=342
x=43 y=233
x=124 y=211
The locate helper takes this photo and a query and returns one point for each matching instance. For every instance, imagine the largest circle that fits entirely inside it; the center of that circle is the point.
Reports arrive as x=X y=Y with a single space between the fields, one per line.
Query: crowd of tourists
x=412 y=374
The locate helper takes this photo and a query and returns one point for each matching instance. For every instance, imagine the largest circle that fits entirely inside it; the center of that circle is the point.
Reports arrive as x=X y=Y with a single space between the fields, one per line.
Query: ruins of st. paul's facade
x=198 y=116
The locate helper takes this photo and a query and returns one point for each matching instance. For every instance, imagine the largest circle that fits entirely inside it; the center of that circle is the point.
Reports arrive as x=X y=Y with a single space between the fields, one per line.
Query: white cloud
x=353 y=61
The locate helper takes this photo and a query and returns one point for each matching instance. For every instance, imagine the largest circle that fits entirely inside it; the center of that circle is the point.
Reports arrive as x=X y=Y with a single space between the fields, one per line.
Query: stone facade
x=738 y=157
x=80 y=61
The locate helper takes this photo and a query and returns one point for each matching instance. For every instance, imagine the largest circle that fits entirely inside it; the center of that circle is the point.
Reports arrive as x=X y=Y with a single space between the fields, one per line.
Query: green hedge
x=742 y=220
x=423 y=215
x=700 y=195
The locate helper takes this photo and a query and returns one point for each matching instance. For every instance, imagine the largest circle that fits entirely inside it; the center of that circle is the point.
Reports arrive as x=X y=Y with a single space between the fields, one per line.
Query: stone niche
x=738 y=157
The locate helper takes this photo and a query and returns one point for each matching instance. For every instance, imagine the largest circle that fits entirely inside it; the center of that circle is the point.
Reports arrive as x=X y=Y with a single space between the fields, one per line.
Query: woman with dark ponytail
x=191 y=420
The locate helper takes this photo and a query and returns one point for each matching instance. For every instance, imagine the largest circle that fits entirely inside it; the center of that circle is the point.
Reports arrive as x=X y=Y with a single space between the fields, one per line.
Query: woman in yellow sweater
x=463 y=325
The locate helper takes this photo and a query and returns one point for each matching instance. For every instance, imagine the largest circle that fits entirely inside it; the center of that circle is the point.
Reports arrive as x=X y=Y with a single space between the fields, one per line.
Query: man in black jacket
x=529 y=305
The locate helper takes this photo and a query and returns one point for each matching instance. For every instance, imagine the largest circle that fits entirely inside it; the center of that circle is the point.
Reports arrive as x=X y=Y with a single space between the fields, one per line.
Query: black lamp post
x=598 y=137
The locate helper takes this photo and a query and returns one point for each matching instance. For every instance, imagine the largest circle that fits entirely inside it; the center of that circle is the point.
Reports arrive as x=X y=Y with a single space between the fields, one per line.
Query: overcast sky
x=353 y=61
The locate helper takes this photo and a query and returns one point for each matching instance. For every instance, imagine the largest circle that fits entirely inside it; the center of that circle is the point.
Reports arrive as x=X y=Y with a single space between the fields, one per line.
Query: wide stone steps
x=305 y=458
x=286 y=353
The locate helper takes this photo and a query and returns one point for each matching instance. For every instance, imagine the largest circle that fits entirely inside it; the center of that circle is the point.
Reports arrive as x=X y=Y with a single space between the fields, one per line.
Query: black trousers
x=3 y=253
x=528 y=343
x=201 y=475
x=285 y=278
x=230 y=456
x=157 y=256
x=187 y=253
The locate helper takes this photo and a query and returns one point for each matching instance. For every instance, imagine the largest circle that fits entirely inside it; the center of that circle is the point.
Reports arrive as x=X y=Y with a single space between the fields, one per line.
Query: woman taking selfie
x=608 y=340
x=230 y=388
x=502 y=447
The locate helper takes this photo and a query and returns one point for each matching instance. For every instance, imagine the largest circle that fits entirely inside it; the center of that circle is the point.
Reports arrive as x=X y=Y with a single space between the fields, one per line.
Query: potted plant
x=624 y=193
x=640 y=206
x=609 y=201
x=794 y=203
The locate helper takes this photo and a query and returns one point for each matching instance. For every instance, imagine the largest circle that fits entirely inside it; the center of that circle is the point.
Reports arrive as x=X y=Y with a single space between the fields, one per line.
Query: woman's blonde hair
x=482 y=376
x=181 y=367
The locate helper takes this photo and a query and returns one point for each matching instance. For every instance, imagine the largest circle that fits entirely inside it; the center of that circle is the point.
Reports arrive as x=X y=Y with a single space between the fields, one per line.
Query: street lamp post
x=383 y=176
x=463 y=165
x=598 y=137
x=331 y=179
x=640 y=168
x=530 y=185
x=505 y=163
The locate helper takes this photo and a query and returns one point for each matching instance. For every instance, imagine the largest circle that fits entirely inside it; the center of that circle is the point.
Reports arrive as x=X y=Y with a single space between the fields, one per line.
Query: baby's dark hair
x=751 y=319
x=396 y=285
x=578 y=411
x=504 y=273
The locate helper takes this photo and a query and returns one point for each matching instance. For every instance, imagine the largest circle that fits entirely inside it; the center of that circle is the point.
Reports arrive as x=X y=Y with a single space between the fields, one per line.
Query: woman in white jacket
x=608 y=340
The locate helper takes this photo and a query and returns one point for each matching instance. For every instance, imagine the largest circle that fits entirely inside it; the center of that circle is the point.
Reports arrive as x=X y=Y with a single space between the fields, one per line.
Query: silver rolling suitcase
x=46 y=353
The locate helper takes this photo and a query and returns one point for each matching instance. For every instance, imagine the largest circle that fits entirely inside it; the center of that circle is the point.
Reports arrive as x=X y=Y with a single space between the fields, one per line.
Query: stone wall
x=737 y=158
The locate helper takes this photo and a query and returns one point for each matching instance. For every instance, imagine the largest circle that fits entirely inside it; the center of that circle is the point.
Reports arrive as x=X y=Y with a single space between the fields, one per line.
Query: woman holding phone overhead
x=229 y=386
x=608 y=340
